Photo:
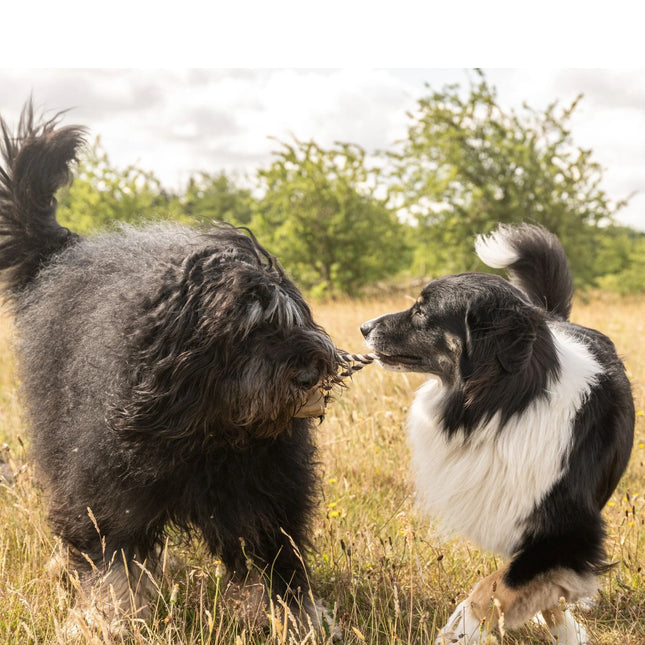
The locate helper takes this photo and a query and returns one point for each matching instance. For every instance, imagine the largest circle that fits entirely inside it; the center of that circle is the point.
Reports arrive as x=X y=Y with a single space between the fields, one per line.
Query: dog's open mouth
x=403 y=360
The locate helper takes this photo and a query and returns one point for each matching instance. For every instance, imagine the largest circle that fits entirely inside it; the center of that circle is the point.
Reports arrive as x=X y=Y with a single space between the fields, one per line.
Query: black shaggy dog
x=522 y=433
x=169 y=375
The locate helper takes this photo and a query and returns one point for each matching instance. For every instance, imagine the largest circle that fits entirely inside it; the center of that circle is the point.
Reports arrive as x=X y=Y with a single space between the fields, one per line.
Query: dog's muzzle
x=318 y=396
x=314 y=406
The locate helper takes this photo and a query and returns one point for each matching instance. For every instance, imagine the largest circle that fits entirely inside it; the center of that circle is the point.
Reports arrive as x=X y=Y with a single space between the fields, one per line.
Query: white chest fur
x=485 y=487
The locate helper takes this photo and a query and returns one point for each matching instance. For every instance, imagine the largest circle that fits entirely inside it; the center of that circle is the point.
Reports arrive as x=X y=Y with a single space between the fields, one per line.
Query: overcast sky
x=177 y=122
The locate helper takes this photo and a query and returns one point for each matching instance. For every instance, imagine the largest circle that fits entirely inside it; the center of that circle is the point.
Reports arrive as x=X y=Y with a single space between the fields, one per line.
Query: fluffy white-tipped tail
x=535 y=261
x=495 y=250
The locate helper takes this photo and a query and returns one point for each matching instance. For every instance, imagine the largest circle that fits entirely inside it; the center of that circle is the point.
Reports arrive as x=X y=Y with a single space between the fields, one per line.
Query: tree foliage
x=468 y=164
x=102 y=195
x=622 y=258
x=338 y=222
x=321 y=216
x=216 y=198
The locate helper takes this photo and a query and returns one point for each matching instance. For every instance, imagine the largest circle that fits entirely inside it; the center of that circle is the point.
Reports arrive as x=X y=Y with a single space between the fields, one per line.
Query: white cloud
x=177 y=122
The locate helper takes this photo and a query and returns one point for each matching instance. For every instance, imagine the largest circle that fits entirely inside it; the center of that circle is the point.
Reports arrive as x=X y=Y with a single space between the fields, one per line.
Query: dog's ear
x=505 y=335
x=174 y=365
x=512 y=356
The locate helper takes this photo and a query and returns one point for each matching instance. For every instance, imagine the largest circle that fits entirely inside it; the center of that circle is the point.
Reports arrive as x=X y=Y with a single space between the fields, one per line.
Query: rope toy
x=317 y=401
x=356 y=362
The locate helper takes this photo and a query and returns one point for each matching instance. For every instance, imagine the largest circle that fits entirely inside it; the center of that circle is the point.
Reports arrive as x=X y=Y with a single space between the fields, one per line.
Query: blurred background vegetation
x=343 y=219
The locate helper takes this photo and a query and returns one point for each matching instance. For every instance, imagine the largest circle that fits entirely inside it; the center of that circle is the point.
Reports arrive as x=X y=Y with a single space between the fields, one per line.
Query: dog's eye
x=419 y=318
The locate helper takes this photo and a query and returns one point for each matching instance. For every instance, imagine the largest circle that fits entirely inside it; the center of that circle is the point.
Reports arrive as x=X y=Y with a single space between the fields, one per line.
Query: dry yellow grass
x=378 y=563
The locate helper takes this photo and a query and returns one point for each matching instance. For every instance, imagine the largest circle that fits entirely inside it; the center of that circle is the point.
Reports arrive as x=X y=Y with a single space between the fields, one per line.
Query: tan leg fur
x=492 y=598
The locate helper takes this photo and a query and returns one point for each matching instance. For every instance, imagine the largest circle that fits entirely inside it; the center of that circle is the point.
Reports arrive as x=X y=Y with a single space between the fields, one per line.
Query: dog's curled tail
x=535 y=261
x=34 y=164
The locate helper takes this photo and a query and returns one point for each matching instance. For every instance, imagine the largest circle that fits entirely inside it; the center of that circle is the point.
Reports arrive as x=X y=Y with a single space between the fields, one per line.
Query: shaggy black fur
x=161 y=370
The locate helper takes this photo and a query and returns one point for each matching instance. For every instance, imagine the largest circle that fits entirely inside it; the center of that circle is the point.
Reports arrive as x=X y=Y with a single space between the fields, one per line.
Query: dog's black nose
x=367 y=327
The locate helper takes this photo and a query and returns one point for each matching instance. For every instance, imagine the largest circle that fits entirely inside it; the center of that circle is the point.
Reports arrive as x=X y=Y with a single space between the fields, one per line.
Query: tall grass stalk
x=379 y=564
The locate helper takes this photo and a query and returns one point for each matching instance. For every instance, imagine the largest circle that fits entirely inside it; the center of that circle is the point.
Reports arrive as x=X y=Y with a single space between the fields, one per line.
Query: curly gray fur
x=162 y=368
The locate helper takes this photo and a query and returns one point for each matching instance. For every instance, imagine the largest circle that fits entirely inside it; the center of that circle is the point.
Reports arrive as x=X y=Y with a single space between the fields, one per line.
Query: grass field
x=378 y=563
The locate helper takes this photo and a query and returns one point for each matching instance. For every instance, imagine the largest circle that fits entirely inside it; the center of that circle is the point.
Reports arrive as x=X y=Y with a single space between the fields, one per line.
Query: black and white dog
x=170 y=377
x=524 y=435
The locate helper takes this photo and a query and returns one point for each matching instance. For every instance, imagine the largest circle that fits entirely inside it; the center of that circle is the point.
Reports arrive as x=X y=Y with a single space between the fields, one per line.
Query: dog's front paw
x=304 y=619
x=464 y=628
x=249 y=602
x=324 y=622
x=92 y=625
